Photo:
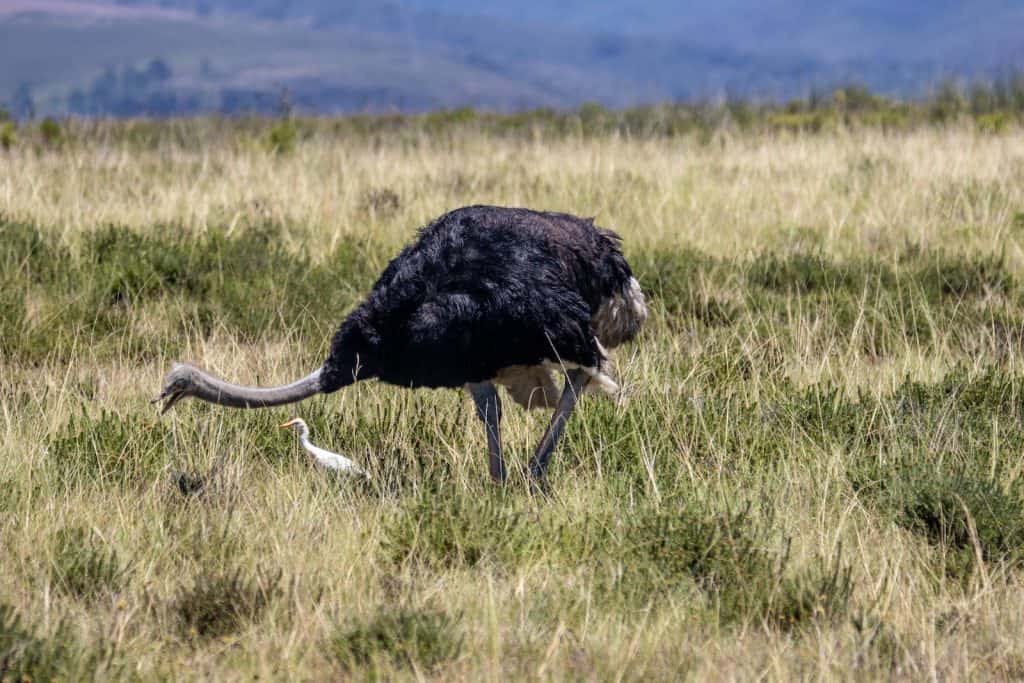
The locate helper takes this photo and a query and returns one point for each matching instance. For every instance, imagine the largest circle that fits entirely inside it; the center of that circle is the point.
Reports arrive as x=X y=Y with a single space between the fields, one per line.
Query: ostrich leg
x=575 y=381
x=488 y=409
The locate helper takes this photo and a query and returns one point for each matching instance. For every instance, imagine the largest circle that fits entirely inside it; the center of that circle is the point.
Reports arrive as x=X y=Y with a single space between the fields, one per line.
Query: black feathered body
x=484 y=289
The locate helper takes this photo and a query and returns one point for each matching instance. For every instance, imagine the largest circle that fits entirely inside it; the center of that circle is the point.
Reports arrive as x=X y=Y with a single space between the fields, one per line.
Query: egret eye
x=323 y=457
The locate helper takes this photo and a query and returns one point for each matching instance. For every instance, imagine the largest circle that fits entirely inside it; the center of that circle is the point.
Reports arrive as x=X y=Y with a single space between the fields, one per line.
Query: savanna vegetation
x=815 y=471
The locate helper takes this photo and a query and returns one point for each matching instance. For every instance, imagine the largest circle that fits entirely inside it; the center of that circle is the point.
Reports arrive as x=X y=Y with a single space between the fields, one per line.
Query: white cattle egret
x=331 y=461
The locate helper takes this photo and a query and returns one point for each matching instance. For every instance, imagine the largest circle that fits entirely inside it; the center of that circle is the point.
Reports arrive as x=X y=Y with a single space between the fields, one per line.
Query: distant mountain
x=130 y=57
x=941 y=31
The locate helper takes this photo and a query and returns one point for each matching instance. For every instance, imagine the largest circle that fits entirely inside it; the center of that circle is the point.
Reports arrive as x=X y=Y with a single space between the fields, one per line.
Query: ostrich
x=485 y=296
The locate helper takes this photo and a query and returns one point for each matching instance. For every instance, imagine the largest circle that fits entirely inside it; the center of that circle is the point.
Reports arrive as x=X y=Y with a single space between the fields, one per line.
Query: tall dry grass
x=817 y=473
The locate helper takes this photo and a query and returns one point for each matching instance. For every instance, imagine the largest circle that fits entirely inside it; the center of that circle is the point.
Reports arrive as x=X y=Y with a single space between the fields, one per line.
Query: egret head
x=297 y=424
x=180 y=382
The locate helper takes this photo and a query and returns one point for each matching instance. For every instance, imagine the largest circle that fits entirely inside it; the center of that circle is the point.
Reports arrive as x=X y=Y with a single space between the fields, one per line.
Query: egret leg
x=488 y=409
x=575 y=381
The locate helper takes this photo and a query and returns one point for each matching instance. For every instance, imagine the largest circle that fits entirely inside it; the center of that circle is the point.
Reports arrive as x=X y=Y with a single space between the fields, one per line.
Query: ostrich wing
x=462 y=334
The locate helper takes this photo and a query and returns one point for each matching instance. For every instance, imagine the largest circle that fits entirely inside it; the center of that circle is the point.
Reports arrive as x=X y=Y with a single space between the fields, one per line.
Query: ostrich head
x=180 y=382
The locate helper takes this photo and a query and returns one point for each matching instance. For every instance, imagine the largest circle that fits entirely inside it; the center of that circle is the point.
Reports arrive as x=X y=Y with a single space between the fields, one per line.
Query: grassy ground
x=817 y=472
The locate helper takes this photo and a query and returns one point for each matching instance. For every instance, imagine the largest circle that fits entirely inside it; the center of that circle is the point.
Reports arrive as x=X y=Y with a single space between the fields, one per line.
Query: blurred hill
x=131 y=57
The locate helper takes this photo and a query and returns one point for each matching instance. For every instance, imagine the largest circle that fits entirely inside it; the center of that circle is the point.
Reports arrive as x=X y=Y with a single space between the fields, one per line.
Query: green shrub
x=50 y=130
x=122 y=450
x=944 y=275
x=1018 y=220
x=726 y=556
x=949 y=489
x=24 y=656
x=220 y=602
x=451 y=528
x=974 y=398
x=963 y=513
x=821 y=593
x=126 y=266
x=255 y=284
x=729 y=558
x=27 y=656
x=26 y=250
x=84 y=567
x=807 y=122
x=247 y=282
x=12 y=314
x=797 y=273
x=827 y=416
x=673 y=279
x=994 y=123
x=282 y=137
x=882 y=649
x=410 y=639
x=7 y=135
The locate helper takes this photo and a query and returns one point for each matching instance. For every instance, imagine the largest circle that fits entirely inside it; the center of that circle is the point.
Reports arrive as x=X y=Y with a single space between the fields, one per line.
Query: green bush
x=449 y=528
x=127 y=266
x=282 y=137
x=220 y=602
x=27 y=656
x=821 y=593
x=948 y=489
x=729 y=559
x=994 y=123
x=12 y=314
x=110 y=449
x=51 y=132
x=7 y=135
x=248 y=282
x=722 y=554
x=672 y=278
x=28 y=251
x=944 y=275
x=963 y=513
x=799 y=273
x=84 y=567
x=410 y=639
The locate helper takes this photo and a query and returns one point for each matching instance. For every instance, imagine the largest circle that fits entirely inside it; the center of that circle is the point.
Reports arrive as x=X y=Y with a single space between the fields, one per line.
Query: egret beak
x=289 y=423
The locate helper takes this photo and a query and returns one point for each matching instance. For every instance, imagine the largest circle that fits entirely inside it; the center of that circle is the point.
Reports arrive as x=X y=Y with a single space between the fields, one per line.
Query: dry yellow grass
x=858 y=190
x=701 y=394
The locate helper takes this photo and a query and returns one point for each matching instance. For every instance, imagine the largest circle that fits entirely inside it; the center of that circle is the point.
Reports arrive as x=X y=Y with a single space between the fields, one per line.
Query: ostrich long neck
x=215 y=390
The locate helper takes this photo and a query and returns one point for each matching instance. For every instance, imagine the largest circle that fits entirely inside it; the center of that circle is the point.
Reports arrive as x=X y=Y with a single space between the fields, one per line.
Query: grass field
x=817 y=472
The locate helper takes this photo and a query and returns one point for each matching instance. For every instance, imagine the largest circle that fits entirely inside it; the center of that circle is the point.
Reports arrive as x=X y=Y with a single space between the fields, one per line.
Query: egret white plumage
x=324 y=458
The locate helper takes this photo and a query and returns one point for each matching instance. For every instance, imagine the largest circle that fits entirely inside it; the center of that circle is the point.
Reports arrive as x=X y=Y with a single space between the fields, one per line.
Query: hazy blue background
x=133 y=57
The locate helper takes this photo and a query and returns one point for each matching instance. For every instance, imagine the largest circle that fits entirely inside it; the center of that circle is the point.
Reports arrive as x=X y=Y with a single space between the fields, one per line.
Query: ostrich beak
x=171 y=398
x=289 y=423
